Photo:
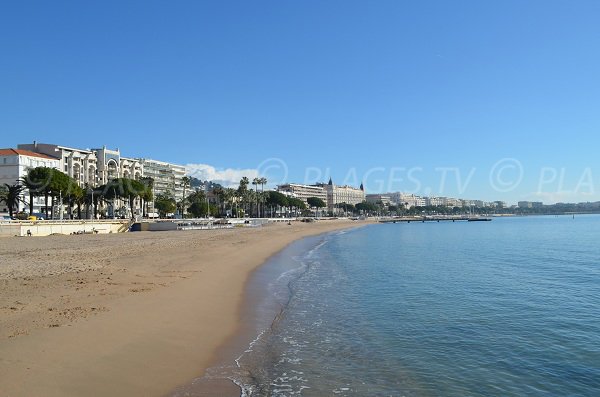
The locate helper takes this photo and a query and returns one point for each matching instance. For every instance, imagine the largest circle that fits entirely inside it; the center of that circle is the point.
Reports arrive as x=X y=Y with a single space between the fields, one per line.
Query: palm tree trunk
x=46 y=204
x=30 y=202
x=131 y=200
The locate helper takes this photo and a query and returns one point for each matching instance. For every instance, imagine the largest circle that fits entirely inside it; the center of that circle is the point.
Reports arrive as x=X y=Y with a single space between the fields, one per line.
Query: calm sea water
x=503 y=308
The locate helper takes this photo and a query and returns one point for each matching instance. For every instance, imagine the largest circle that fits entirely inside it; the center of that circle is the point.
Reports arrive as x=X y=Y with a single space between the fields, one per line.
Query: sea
x=503 y=308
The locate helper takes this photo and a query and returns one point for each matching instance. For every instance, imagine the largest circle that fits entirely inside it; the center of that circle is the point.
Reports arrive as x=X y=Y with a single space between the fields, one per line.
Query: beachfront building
x=434 y=201
x=14 y=165
x=167 y=177
x=341 y=194
x=451 y=202
x=80 y=164
x=112 y=165
x=89 y=167
x=499 y=204
x=303 y=192
x=384 y=199
x=408 y=200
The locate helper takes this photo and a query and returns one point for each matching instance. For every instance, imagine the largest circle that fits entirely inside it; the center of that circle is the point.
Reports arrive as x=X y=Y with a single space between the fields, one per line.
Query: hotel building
x=303 y=192
x=14 y=164
x=95 y=167
x=342 y=194
x=168 y=178
x=385 y=199
x=91 y=167
x=408 y=200
x=79 y=164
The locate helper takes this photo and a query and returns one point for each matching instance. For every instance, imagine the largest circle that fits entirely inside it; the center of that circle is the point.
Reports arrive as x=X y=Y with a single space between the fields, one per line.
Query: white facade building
x=345 y=194
x=303 y=192
x=451 y=202
x=79 y=164
x=408 y=200
x=385 y=199
x=91 y=167
x=168 y=178
x=14 y=165
x=95 y=167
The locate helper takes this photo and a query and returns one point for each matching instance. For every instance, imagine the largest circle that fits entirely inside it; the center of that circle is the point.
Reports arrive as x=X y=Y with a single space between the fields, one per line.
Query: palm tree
x=12 y=197
x=185 y=182
x=256 y=182
x=263 y=182
x=243 y=191
x=148 y=194
x=37 y=181
x=230 y=197
x=219 y=194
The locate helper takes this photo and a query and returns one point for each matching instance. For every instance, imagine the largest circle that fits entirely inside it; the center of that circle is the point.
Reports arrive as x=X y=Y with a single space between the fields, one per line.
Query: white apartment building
x=434 y=201
x=303 y=192
x=95 y=167
x=385 y=199
x=451 y=202
x=408 y=200
x=92 y=167
x=168 y=178
x=14 y=165
x=80 y=164
x=112 y=165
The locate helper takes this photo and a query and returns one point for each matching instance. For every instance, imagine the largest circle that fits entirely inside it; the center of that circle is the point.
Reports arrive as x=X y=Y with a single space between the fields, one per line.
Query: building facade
x=96 y=167
x=79 y=164
x=167 y=177
x=90 y=167
x=345 y=194
x=303 y=192
x=385 y=199
x=14 y=165
x=408 y=200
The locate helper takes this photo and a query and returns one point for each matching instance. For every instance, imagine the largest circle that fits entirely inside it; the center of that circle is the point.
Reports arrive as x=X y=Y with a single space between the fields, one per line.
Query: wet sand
x=129 y=314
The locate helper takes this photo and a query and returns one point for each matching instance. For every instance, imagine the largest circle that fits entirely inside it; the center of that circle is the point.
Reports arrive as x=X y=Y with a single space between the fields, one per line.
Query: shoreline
x=141 y=317
x=263 y=303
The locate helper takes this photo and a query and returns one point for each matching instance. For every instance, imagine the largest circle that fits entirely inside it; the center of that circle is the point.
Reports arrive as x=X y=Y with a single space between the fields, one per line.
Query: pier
x=434 y=218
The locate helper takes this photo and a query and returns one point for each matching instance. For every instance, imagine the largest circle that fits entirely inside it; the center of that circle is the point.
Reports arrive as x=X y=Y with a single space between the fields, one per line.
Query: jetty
x=435 y=218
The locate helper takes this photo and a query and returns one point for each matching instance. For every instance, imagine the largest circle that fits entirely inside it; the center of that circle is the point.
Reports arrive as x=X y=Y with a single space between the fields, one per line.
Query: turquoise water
x=503 y=308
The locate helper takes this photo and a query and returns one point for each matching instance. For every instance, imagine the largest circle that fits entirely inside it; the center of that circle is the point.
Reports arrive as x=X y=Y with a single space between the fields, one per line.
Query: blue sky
x=505 y=95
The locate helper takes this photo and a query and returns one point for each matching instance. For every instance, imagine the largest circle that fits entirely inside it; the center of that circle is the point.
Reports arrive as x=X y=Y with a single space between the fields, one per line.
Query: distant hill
x=202 y=185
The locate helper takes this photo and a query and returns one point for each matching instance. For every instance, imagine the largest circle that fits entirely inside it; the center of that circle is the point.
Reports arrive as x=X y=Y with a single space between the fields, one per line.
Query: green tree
x=165 y=204
x=75 y=196
x=315 y=202
x=11 y=196
x=147 y=195
x=296 y=204
x=366 y=207
x=37 y=181
x=275 y=199
x=185 y=183
x=199 y=206
x=243 y=193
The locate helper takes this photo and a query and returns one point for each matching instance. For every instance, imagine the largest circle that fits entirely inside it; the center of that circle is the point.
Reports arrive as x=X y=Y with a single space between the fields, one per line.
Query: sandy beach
x=129 y=314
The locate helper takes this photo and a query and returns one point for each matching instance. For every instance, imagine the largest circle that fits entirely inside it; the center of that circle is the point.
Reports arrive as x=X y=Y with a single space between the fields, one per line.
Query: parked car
x=39 y=216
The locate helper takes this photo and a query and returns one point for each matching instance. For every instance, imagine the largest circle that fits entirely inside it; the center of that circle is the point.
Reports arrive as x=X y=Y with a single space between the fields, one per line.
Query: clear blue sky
x=339 y=86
